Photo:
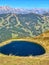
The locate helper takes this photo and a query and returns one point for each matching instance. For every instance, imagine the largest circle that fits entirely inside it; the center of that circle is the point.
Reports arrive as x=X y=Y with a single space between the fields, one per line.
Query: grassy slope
x=30 y=60
x=22 y=25
x=42 y=39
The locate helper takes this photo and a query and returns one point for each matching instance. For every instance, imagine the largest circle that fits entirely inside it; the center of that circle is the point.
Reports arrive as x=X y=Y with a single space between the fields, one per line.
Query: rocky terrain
x=19 y=23
x=26 y=25
x=22 y=25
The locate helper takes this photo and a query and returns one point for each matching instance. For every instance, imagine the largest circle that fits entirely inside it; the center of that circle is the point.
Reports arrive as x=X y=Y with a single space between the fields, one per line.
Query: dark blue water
x=22 y=48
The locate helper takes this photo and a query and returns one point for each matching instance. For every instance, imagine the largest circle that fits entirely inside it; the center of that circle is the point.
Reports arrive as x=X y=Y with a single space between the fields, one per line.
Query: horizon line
x=23 y=7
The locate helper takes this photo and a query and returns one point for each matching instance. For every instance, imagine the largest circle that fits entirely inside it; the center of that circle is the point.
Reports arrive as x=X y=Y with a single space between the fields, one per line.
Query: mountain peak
x=7 y=9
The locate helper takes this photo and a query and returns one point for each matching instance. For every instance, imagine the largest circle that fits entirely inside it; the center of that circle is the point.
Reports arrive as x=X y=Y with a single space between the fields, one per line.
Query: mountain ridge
x=22 y=25
x=7 y=9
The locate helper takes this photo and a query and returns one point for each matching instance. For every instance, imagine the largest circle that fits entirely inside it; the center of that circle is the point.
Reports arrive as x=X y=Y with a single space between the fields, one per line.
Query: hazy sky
x=25 y=3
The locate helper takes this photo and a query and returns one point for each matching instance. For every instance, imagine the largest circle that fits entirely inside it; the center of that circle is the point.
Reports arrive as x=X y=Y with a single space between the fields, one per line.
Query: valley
x=24 y=26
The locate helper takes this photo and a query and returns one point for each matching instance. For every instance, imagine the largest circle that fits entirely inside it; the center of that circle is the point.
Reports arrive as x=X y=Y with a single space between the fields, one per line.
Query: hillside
x=22 y=25
x=29 y=60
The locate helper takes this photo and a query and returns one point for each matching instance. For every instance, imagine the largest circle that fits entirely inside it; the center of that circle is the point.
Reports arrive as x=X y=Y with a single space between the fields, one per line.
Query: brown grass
x=29 y=60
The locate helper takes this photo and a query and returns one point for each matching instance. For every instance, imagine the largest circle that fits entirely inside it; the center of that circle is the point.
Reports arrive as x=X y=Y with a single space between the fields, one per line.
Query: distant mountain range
x=6 y=9
x=19 y=23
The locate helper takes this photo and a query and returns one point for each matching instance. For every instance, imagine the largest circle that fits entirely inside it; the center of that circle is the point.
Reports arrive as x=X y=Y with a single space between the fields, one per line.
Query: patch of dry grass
x=29 y=60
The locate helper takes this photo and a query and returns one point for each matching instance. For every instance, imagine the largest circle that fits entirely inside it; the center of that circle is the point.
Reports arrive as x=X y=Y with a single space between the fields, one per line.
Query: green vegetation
x=22 y=25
